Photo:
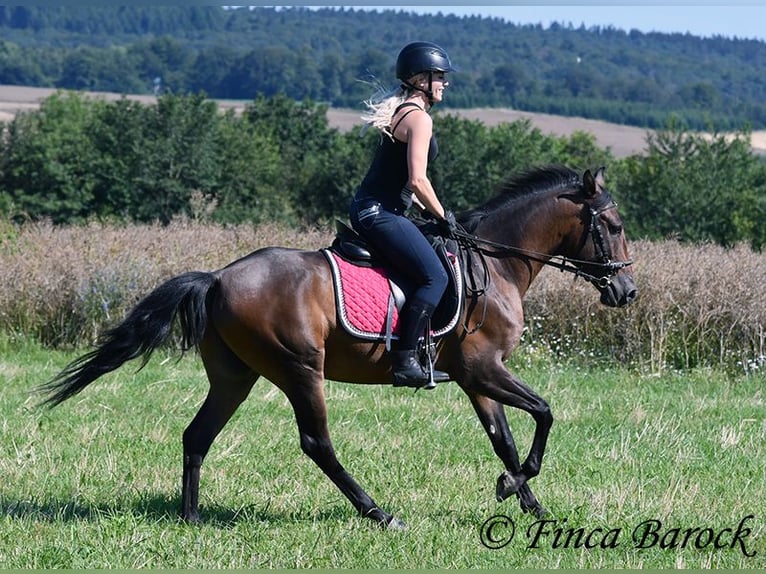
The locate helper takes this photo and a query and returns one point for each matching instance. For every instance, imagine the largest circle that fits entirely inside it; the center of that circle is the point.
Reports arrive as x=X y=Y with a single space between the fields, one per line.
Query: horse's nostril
x=631 y=296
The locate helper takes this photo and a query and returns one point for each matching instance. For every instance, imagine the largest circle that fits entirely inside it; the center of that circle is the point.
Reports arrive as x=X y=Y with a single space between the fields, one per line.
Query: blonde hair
x=383 y=103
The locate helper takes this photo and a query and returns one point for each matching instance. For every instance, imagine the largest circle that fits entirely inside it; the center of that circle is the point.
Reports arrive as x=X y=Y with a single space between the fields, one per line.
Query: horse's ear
x=600 y=183
x=589 y=183
x=593 y=185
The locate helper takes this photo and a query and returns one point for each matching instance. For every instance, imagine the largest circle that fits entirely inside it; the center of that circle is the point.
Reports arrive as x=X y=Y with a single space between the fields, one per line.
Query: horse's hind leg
x=308 y=402
x=230 y=383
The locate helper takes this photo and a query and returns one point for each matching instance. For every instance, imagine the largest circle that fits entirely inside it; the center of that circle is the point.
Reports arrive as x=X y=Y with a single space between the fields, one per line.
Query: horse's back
x=276 y=279
x=274 y=262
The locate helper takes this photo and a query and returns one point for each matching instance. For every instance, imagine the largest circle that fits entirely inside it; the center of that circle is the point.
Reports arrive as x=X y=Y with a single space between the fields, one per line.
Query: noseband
x=597 y=235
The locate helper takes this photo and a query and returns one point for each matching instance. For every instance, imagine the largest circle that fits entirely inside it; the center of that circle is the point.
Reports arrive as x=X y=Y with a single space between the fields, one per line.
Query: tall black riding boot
x=407 y=370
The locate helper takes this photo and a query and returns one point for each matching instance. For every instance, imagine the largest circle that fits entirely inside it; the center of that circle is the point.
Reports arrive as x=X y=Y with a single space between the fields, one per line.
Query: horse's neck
x=531 y=231
x=533 y=227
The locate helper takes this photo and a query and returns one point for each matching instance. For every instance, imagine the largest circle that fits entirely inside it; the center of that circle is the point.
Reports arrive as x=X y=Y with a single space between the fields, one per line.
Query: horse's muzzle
x=620 y=291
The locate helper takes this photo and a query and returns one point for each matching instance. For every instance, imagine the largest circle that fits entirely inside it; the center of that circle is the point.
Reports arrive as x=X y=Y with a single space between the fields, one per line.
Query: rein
x=470 y=243
x=501 y=250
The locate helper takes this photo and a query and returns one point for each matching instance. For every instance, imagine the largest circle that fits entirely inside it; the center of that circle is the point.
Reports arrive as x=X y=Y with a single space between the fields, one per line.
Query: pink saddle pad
x=363 y=295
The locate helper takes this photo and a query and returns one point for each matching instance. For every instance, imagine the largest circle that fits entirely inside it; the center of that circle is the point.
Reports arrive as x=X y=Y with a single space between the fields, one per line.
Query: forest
x=78 y=159
x=337 y=56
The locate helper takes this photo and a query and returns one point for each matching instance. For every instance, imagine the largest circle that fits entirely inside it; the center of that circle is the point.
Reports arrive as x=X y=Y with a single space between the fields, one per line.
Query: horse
x=245 y=324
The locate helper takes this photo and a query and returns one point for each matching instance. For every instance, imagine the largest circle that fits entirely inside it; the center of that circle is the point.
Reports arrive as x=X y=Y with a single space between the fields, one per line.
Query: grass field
x=95 y=483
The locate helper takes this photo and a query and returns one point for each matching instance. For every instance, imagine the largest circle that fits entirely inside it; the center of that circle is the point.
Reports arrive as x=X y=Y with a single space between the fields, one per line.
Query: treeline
x=329 y=55
x=78 y=159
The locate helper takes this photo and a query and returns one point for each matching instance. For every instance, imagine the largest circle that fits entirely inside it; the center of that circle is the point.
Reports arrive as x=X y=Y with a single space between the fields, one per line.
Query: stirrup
x=413 y=381
x=434 y=376
x=429 y=383
x=427 y=361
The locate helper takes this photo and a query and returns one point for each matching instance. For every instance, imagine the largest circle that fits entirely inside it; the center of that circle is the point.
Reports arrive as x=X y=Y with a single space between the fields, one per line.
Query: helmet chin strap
x=429 y=92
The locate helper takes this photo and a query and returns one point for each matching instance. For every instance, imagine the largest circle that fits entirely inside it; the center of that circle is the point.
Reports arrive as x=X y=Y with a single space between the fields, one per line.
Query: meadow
x=95 y=482
x=659 y=418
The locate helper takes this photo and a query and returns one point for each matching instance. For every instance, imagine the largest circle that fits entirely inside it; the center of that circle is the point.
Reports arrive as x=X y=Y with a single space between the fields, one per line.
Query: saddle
x=369 y=295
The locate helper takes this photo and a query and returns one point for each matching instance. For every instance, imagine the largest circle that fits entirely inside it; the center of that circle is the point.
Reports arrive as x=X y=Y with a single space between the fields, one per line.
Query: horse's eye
x=615 y=229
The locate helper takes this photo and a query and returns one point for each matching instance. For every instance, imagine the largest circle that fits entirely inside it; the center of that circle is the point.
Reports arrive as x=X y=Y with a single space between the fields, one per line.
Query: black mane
x=530 y=182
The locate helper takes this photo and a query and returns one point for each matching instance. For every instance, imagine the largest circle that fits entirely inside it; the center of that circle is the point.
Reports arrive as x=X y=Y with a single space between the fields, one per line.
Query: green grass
x=95 y=483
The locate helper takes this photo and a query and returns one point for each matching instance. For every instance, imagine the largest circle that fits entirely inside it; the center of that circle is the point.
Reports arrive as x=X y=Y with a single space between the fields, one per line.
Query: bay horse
x=273 y=314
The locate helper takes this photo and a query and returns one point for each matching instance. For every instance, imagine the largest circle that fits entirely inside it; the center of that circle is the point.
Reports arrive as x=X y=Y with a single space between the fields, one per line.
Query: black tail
x=146 y=327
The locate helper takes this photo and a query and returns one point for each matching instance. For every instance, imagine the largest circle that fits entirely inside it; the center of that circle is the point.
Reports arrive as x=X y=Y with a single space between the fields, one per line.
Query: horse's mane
x=529 y=182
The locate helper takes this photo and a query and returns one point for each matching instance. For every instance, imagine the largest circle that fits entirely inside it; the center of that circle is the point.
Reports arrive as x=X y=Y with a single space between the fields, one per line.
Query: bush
x=695 y=188
x=279 y=161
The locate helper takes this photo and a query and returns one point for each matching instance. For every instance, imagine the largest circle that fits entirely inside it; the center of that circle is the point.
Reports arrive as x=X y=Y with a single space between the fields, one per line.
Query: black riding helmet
x=418 y=57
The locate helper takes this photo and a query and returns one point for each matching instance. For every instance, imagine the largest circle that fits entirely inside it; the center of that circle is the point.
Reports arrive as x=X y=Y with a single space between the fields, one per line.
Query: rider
x=397 y=178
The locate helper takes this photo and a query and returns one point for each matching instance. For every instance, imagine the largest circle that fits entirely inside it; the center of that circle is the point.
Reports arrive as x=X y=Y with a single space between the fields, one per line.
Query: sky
x=742 y=20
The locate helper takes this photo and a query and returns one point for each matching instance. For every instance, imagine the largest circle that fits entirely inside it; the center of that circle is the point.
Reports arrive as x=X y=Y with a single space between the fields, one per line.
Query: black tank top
x=388 y=173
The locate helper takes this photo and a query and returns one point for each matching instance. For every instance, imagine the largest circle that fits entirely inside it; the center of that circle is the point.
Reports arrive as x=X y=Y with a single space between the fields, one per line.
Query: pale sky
x=742 y=20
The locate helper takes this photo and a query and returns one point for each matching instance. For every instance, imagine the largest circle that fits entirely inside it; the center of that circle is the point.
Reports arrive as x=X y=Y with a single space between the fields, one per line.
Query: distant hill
x=330 y=55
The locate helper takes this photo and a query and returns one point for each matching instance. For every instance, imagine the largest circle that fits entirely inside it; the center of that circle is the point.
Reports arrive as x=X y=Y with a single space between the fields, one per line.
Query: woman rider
x=397 y=178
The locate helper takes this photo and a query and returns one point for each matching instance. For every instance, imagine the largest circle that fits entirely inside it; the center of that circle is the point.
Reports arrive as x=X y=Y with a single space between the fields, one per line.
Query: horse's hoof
x=396 y=524
x=529 y=503
x=535 y=510
x=507 y=484
x=539 y=511
x=191 y=518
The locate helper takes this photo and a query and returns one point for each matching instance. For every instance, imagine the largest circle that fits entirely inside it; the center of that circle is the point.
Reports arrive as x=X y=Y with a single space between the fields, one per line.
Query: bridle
x=429 y=93
x=569 y=264
x=472 y=244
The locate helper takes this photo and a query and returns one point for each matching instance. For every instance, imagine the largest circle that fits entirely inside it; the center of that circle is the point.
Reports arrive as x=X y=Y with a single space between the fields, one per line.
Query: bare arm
x=419 y=127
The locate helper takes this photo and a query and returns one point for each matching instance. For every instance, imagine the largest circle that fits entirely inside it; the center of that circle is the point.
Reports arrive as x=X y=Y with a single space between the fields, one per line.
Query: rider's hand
x=448 y=225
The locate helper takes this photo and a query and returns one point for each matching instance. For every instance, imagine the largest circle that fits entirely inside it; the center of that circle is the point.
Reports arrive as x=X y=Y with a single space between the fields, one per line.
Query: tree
x=17 y=68
x=118 y=132
x=251 y=182
x=458 y=172
x=164 y=58
x=301 y=132
x=180 y=154
x=46 y=160
x=695 y=189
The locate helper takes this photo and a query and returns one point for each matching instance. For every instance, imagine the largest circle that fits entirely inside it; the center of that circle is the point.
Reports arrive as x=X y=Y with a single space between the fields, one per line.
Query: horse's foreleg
x=513 y=392
x=501 y=386
x=311 y=416
x=492 y=417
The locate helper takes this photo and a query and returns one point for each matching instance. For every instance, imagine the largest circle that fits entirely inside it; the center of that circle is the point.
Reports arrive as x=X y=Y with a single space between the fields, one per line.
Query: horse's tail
x=145 y=328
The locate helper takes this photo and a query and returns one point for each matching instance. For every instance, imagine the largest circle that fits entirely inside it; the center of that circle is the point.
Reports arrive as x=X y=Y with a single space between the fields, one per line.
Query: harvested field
x=622 y=140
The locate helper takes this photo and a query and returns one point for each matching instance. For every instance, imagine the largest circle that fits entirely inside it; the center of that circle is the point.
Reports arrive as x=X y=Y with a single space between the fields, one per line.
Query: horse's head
x=528 y=220
x=603 y=256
